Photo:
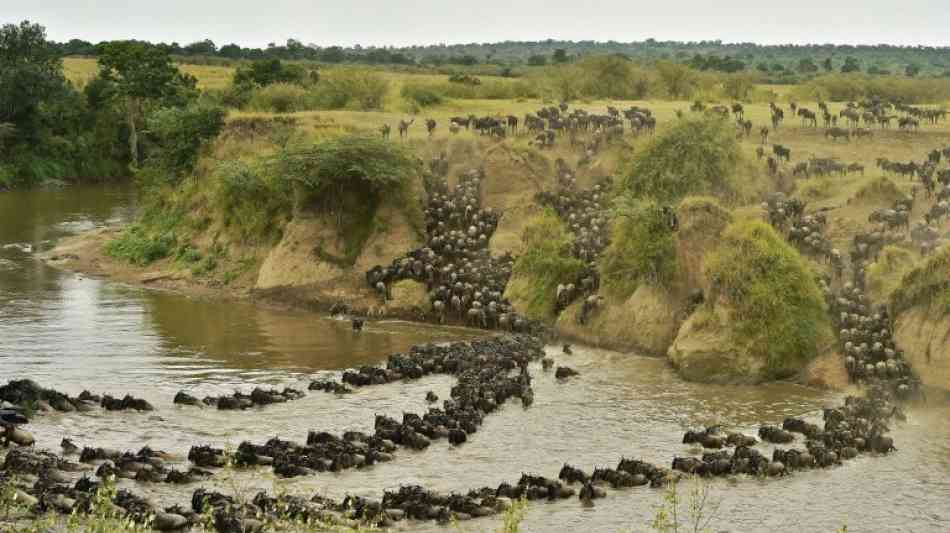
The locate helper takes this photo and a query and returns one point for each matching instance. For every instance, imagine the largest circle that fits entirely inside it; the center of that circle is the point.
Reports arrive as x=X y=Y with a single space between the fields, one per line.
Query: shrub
x=279 y=98
x=777 y=309
x=926 y=284
x=177 y=135
x=885 y=273
x=349 y=87
x=139 y=248
x=641 y=249
x=347 y=177
x=423 y=96
x=695 y=156
x=248 y=201
x=545 y=263
x=880 y=189
x=269 y=71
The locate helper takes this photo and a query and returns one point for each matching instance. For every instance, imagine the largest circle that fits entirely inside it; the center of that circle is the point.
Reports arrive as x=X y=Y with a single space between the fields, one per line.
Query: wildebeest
x=430 y=126
x=836 y=133
x=782 y=152
x=404 y=128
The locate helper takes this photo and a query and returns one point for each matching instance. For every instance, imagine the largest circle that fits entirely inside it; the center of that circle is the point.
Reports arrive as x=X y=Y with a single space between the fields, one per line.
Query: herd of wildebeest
x=466 y=284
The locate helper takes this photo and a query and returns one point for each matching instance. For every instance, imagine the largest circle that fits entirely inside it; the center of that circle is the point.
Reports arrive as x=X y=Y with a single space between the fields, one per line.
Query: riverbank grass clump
x=545 y=263
x=696 y=155
x=641 y=249
x=775 y=308
x=925 y=285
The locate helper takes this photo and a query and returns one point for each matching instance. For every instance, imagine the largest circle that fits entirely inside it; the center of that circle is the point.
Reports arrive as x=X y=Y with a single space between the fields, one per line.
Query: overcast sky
x=405 y=22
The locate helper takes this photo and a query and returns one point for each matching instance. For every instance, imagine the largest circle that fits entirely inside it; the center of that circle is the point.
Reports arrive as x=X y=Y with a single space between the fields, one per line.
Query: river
x=71 y=332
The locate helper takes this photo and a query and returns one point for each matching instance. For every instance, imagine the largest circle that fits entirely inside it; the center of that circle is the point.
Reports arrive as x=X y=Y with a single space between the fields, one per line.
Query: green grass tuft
x=641 y=249
x=776 y=306
x=545 y=263
x=928 y=284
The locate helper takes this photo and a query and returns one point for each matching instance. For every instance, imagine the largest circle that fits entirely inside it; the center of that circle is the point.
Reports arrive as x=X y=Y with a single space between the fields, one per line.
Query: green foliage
x=881 y=189
x=514 y=515
x=613 y=77
x=697 y=155
x=700 y=510
x=641 y=249
x=31 y=73
x=279 y=98
x=678 y=80
x=884 y=275
x=347 y=178
x=546 y=262
x=268 y=71
x=927 y=284
x=251 y=203
x=855 y=87
x=421 y=95
x=776 y=306
x=140 y=248
x=140 y=70
x=178 y=134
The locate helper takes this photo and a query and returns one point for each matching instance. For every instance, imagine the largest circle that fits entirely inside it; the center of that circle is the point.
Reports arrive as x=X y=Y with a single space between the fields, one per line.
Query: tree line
x=778 y=60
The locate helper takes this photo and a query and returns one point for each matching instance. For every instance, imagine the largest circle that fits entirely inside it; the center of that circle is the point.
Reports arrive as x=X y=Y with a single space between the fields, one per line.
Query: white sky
x=405 y=22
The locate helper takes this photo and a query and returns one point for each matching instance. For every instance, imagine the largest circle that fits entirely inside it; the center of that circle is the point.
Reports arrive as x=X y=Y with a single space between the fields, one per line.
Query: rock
x=564 y=372
x=20 y=437
x=169 y=521
x=24 y=499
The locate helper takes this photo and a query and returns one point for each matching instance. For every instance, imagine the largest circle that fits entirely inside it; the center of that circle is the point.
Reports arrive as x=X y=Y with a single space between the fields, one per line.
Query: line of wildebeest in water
x=466 y=285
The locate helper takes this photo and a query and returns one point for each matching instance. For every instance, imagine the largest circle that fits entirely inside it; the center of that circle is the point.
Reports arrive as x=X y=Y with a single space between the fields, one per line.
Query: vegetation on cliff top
x=641 y=248
x=777 y=308
x=696 y=155
x=545 y=263
x=926 y=284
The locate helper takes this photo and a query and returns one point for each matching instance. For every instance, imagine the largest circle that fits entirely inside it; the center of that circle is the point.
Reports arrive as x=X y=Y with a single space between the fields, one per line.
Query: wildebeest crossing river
x=73 y=333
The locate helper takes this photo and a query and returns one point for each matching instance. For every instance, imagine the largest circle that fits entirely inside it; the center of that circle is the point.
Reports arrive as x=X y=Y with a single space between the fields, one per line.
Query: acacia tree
x=678 y=79
x=141 y=72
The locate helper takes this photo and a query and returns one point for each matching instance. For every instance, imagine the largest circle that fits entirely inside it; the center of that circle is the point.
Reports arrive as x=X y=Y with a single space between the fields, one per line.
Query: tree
x=826 y=64
x=333 y=54
x=807 y=66
x=912 y=70
x=538 y=60
x=560 y=56
x=677 y=79
x=31 y=73
x=850 y=65
x=142 y=72
x=201 y=48
x=231 y=51
x=762 y=67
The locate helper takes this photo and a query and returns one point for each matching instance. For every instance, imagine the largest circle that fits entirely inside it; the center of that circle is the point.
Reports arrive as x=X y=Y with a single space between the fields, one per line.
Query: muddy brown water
x=72 y=333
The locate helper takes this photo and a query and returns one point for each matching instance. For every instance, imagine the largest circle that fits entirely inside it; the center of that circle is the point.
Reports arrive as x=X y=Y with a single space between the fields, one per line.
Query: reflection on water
x=72 y=333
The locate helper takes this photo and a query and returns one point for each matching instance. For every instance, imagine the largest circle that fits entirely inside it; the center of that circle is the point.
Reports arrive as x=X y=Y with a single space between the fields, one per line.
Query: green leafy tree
x=677 y=79
x=142 y=73
x=560 y=56
x=31 y=73
x=850 y=65
x=912 y=70
x=538 y=60
x=807 y=66
x=826 y=64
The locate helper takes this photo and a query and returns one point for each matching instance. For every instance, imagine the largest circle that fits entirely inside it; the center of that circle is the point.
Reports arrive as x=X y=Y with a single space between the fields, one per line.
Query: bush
x=279 y=98
x=177 y=135
x=348 y=177
x=641 y=249
x=776 y=307
x=269 y=71
x=927 y=284
x=695 y=156
x=885 y=273
x=423 y=96
x=139 y=248
x=545 y=263
x=248 y=201
x=349 y=87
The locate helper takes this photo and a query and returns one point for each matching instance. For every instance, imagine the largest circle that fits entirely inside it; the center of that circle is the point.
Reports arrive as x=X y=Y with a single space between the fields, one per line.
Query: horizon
x=329 y=24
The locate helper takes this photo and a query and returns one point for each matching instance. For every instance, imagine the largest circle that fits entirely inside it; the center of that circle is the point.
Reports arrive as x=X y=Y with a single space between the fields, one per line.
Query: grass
x=926 y=284
x=641 y=249
x=777 y=309
x=545 y=263
x=884 y=275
